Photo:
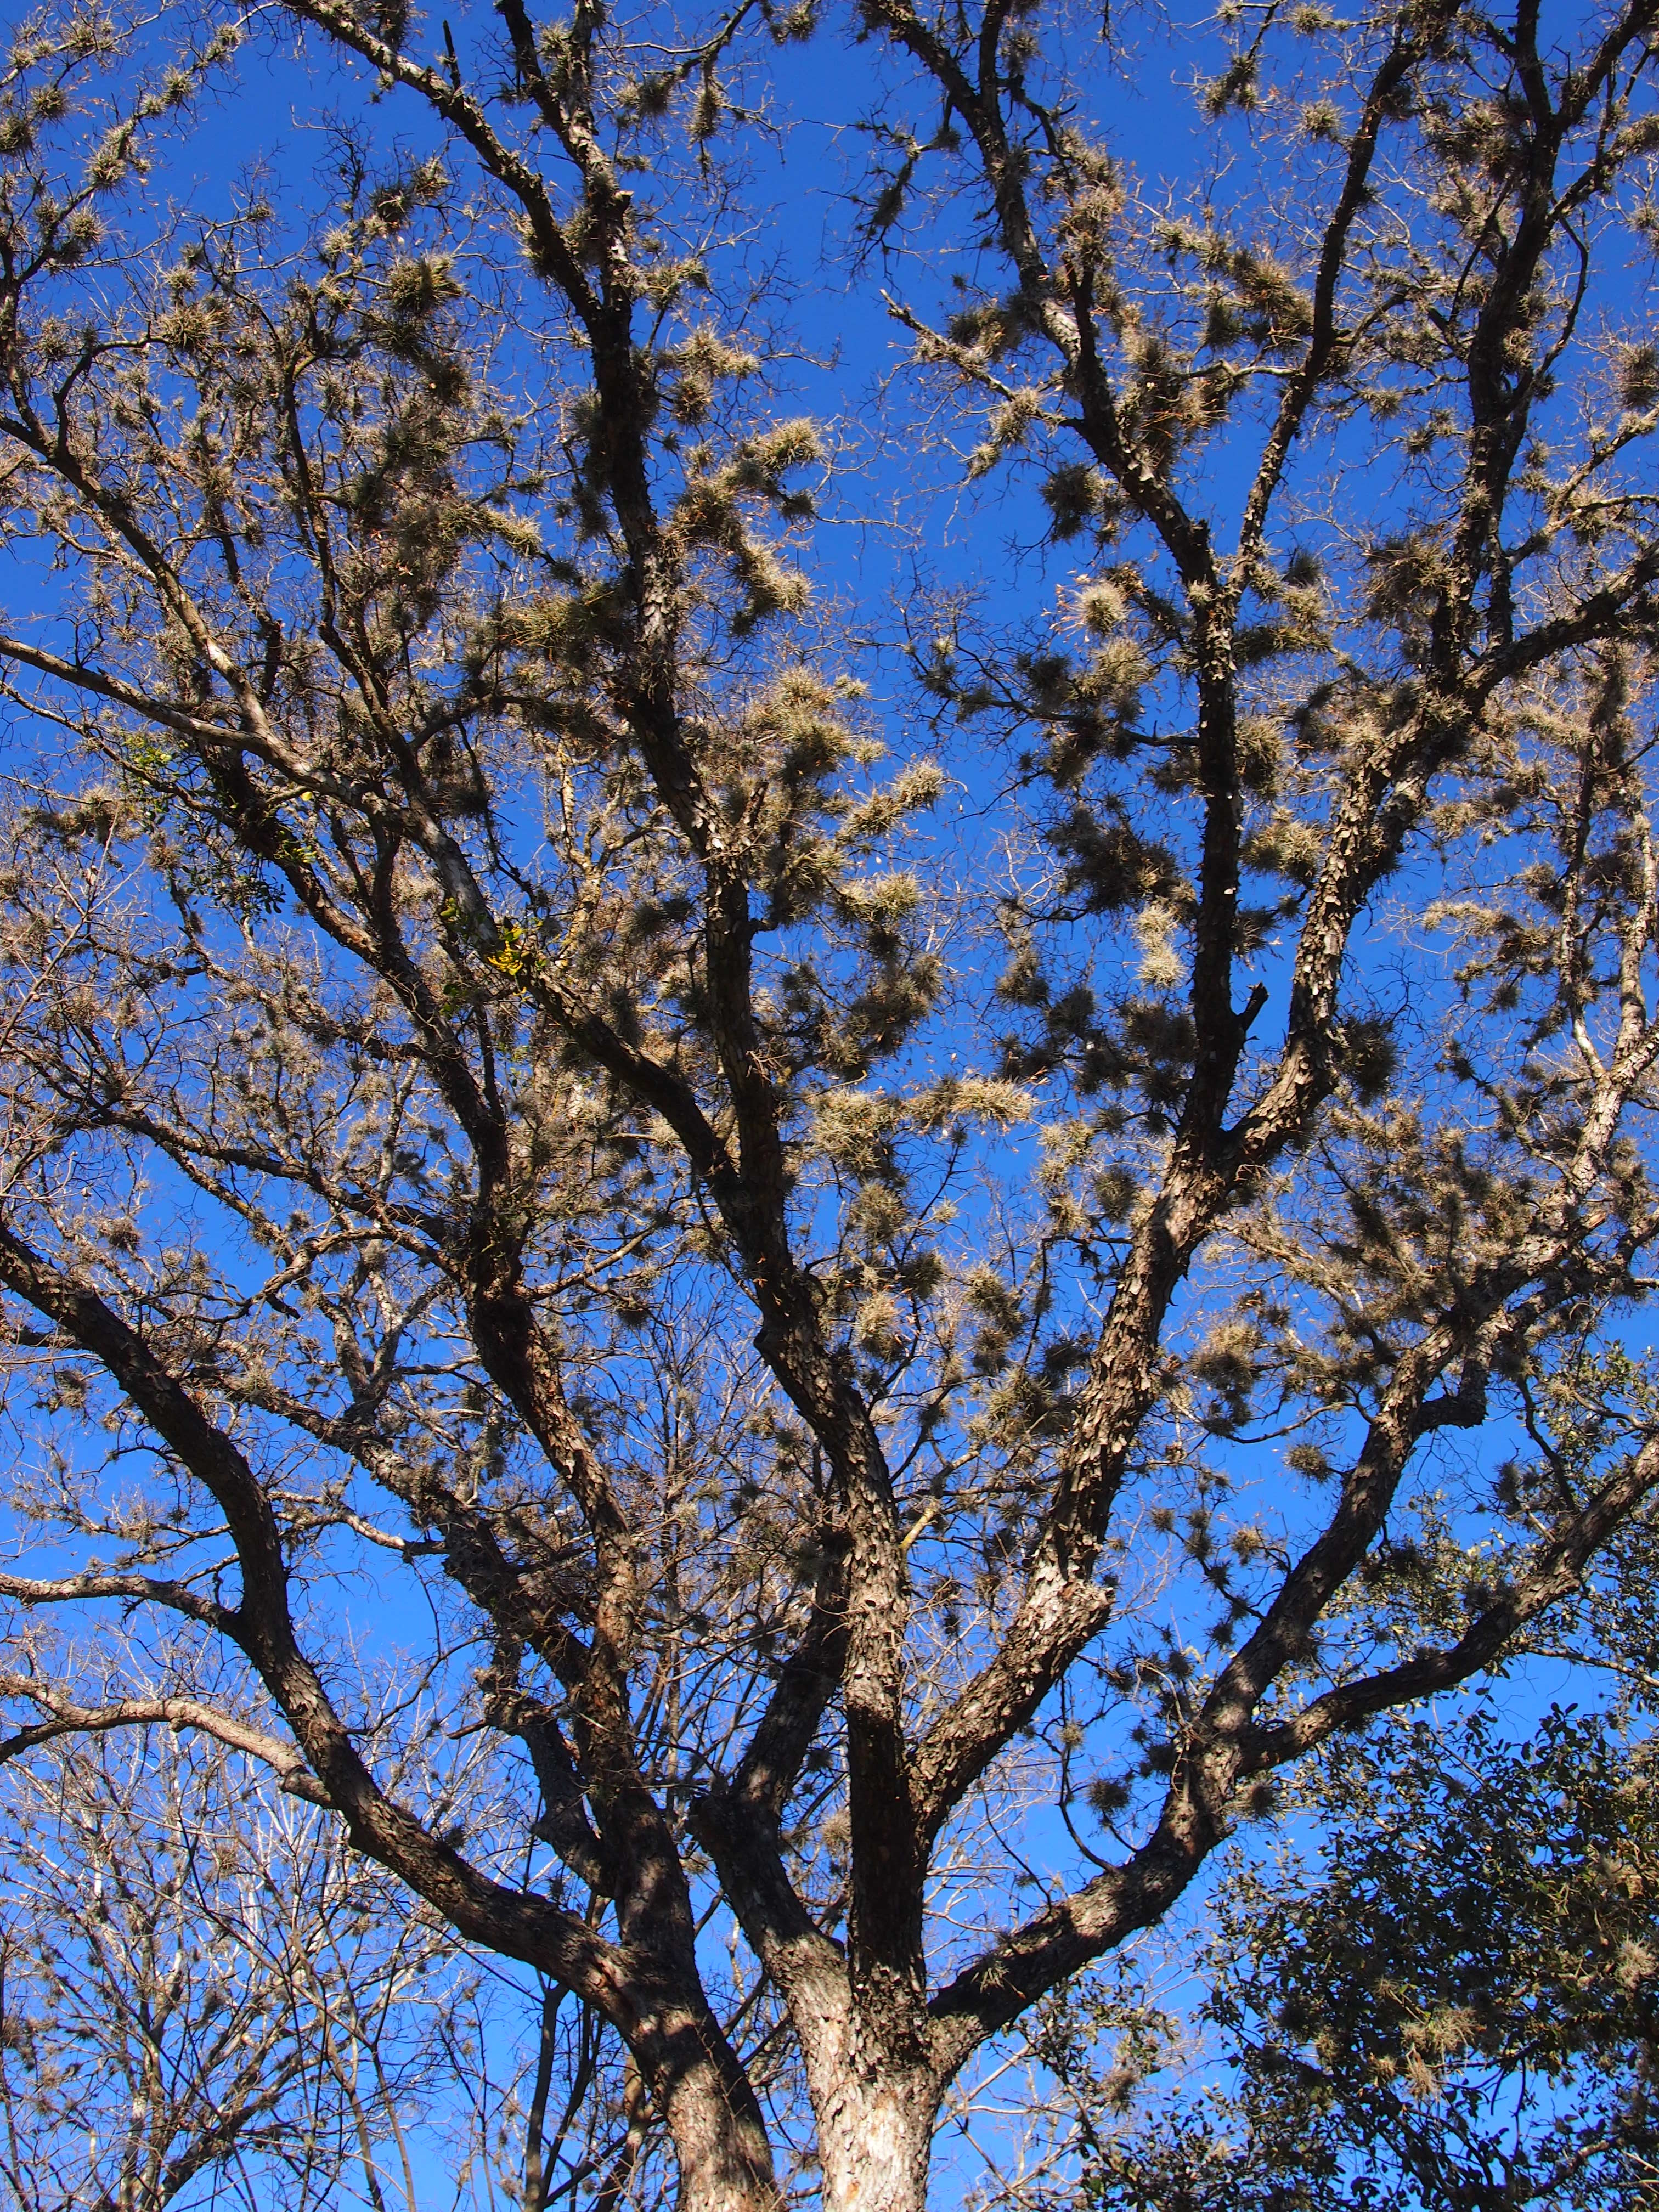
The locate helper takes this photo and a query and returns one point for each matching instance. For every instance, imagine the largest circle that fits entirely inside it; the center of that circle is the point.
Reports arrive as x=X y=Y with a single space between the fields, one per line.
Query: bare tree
x=906 y=1405
x=206 y=1995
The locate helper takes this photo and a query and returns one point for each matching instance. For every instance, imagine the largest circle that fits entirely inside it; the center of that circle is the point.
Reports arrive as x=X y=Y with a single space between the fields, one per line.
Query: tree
x=207 y=1996
x=1453 y=2011
x=1452 y=2006
x=844 y=1341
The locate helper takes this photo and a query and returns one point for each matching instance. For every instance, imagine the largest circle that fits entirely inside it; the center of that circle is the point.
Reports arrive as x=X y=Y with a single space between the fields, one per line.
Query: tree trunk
x=718 y=2175
x=720 y=2141
x=875 y=2135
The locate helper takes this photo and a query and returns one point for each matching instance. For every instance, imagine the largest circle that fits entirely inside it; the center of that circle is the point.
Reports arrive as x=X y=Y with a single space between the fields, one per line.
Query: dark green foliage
x=1453 y=2008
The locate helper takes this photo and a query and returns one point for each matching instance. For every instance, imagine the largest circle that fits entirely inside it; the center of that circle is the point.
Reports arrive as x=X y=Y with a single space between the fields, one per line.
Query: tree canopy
x=888 y=1116
x=1452 y=2012
x=208 y=1997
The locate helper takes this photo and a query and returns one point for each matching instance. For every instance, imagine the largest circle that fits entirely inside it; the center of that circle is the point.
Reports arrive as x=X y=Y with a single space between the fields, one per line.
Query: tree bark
x=715 y=2125
x=875 y=2135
